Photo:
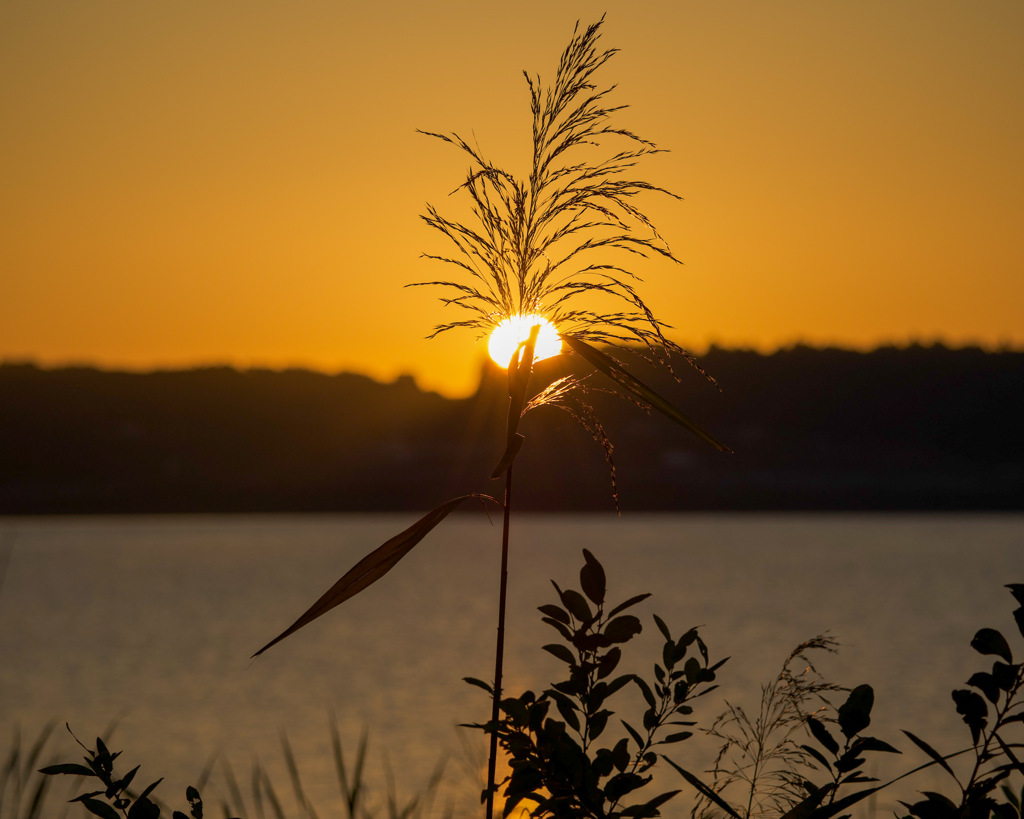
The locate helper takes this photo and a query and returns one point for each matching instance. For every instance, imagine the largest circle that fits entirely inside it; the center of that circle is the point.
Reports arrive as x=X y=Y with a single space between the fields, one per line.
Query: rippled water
x=150 y=622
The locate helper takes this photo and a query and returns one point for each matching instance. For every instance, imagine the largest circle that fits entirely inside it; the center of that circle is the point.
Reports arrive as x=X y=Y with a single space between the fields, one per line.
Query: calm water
x=149 y=622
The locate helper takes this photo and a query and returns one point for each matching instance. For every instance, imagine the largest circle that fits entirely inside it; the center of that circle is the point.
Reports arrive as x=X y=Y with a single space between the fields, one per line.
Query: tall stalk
x=499 y=649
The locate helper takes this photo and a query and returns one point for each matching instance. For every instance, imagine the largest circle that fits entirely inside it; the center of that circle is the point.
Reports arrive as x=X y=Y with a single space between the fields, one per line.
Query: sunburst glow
x=513 y=331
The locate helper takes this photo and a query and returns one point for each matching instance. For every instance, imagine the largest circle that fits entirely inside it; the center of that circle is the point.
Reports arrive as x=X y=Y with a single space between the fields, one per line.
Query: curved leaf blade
x=619 y=374
x=372 y=567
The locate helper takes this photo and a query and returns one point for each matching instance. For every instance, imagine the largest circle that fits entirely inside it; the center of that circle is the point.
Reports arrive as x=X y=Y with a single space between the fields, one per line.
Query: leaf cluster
x=558 y=765
x=991 y=706
x=115 y=799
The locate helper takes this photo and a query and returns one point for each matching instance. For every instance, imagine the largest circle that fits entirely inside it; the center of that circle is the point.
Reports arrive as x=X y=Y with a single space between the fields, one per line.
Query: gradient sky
x=204 y=181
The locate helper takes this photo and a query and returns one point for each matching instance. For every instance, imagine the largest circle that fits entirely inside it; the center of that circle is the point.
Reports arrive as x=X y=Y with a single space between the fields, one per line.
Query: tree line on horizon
x=915 y=428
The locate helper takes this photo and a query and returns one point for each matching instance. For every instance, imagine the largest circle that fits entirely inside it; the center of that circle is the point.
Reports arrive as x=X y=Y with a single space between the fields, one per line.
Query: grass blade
x=372 y=567
x=704 y=789
x=619 y=374
x=935 y=755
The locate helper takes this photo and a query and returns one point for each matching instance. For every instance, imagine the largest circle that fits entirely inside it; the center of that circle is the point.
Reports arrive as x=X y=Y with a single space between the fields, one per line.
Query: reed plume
x=561 y=243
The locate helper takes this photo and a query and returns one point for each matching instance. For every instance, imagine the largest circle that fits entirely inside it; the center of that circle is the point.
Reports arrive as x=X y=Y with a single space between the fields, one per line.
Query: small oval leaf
x=990 y=641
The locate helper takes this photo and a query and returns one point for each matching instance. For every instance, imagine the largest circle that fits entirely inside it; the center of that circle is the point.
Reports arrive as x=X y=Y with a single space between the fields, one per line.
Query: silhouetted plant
x=360 y=799
x=558 y=765
x=115 y=798
x=536 y=249
x=995 y=756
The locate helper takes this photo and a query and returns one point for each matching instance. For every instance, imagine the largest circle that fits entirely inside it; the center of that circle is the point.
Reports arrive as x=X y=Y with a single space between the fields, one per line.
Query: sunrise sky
x=201 y=181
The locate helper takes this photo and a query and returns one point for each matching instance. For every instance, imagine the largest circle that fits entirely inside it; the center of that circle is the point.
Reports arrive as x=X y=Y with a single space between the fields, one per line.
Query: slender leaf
x=68 y=768
x=662 y=627
x=561 y=652
x=619 y=374
x=592 y=579
x=372 y=567
x=928 y=749
x=821 y=733
x=808 y=806
x=631 y=602
x=479 y=684
x=704 y=789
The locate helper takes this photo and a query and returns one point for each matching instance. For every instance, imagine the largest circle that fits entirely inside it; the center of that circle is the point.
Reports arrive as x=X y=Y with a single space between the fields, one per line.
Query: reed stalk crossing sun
x=545 y=266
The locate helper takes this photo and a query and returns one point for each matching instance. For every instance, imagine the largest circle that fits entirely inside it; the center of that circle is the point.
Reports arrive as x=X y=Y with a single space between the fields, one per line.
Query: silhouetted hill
x=913 y=428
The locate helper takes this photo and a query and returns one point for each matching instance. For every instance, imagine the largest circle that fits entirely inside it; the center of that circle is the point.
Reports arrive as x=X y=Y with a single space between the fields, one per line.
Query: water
x=149 y=622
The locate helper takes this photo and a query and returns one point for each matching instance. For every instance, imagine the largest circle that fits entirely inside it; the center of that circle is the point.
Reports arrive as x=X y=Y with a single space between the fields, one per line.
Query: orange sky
x=202 y=181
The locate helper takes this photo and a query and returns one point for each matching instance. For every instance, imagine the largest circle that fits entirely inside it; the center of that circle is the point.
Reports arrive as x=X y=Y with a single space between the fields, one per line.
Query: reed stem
x=499 y=651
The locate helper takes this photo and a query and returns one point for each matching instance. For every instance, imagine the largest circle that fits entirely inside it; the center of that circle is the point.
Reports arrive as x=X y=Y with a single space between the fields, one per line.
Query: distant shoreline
x=894 y=429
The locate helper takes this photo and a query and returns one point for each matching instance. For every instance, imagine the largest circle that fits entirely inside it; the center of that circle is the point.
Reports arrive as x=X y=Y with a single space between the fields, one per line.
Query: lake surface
x=149 y=622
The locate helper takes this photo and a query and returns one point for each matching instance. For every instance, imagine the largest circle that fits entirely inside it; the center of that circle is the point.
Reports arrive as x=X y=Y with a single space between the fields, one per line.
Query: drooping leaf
x=843 y=803
x=928 y=749
x=822 y=734
x=818 y=755
x=808 y=806
x=855 y=714
x=633 y=733
x=67 y=768
x=561 y=652
x=619 y=374
x=372 y=567
x=1015 y=764
x=662 y=627
x=704 y=789
x=592 y=579
x=990 y=641
x=556 y=612
x=631 y=602
x=1017 y=590
x=645 y=689
x=558 y=626
x=972 y=708
x=871 y=744
x=479 y=684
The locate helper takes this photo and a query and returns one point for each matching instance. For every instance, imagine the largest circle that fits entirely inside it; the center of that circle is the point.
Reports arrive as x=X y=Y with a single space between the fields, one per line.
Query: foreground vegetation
x=529 y=254
x=800 y=753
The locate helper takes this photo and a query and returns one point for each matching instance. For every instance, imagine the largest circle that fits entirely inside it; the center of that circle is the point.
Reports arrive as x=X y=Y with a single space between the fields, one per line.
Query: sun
x=509 y=334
